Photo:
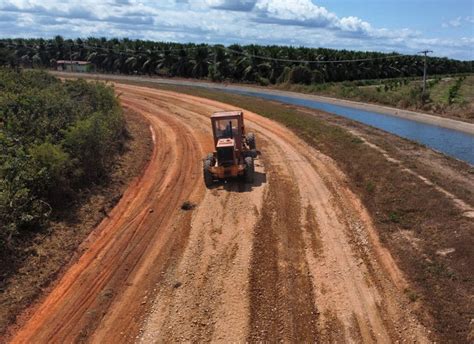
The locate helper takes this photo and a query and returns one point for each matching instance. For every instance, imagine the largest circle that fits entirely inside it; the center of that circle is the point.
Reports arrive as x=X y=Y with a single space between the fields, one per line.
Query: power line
x=313 y=61
x=243 y=53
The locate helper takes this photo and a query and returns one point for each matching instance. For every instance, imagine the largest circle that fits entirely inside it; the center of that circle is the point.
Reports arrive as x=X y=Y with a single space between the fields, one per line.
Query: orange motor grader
x=234 y=149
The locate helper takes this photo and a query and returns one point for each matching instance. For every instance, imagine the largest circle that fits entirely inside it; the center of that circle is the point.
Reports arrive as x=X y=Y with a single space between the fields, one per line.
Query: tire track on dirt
x=293 y=257
x=119 y=260
x=293 y=308
x=213 y=273
x=358 y=287
x=133 y=295
x=281 y=290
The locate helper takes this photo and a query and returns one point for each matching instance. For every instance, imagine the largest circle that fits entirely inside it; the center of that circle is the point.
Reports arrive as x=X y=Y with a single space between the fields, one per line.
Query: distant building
x=74 y=66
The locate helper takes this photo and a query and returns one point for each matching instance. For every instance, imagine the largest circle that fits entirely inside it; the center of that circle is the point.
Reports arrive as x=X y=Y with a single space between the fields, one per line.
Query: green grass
x=467 y=90
x=439 y=92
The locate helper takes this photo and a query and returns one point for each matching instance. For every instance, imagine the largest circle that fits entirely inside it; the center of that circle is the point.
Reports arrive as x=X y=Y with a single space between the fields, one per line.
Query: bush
x=55 y=138
x=51 y=164
x=20 y=207
x=93 y=142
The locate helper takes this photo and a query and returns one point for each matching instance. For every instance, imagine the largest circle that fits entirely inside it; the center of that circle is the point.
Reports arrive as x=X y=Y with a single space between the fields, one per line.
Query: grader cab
x=234 y=152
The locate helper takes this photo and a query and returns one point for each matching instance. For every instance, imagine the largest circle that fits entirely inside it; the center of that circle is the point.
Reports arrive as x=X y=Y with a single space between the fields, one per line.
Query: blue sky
x=406 y=26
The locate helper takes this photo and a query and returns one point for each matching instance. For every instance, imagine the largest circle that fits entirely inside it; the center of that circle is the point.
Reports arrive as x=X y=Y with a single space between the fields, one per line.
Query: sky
x=404 y=26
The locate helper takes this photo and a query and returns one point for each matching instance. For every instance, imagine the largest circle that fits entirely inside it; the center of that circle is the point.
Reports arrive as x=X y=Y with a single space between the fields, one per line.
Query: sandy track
x=293 y=257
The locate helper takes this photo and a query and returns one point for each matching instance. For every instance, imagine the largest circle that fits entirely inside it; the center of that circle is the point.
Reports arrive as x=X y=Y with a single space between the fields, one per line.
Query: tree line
x=56 y=139
x=236 y=63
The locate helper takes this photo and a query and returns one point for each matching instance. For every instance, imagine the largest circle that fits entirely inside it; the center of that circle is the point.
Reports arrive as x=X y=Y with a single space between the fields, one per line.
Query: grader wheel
x=249 y=170
x=251 y=141
x=208 y=178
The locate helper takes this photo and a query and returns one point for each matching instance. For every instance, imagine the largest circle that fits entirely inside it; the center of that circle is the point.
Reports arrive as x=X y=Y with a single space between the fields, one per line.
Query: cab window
x=226 y=128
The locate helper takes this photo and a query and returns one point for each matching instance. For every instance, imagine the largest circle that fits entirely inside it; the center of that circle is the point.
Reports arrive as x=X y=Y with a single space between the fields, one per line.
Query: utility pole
x=425 y=52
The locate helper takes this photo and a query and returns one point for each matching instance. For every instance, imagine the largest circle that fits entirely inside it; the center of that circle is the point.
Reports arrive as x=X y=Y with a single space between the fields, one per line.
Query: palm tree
x=182 y=64
x=165 y=63
x=200 y=62
x=238 y=63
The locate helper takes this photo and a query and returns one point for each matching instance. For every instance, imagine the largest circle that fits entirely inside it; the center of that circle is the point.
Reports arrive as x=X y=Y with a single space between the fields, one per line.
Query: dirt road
x=292 y=257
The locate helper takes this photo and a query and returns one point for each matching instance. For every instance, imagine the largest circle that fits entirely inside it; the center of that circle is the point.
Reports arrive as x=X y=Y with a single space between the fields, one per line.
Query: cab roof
x=233 y=113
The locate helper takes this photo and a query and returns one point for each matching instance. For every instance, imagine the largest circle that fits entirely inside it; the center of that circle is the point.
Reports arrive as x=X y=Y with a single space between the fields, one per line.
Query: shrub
x=93 y=141
x=51 y=165
x=55 y=138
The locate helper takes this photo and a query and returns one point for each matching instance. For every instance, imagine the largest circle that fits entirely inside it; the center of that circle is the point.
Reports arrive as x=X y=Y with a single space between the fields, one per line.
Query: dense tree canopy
x=251 y=63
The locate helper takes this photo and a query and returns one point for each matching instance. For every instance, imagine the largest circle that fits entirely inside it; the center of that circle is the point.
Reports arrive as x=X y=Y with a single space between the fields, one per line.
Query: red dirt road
x=292 y=257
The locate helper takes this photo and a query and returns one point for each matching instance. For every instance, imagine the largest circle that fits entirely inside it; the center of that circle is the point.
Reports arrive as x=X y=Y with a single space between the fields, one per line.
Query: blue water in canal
x=451 y=142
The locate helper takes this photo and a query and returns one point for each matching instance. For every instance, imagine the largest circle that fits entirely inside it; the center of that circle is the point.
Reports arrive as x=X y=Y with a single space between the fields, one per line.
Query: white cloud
x=306 y=14
x=296 y=22
x=456 y=22
x=354 y=24
x=298 y=12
